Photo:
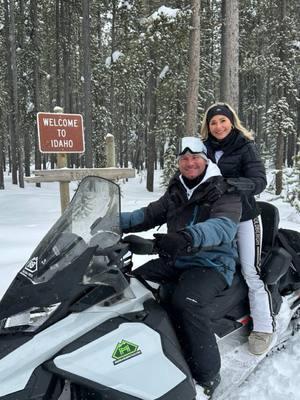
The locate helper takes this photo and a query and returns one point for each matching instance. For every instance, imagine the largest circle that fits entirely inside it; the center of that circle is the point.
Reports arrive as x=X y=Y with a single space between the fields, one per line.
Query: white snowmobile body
x=72 y=315
x=73 y=319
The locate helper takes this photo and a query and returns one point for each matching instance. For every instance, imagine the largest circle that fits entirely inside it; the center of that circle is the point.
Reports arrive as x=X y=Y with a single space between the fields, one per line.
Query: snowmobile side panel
x=50 y=341
x=9 y=343
x=42 y=385
x=126 y=359
x=154 y=316
x=17 y=367
x=93 y=391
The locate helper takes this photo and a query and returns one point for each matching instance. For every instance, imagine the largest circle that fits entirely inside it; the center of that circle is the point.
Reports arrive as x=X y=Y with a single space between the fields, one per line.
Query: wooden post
x=62 y=162
x=110 y=151
x=63 y=186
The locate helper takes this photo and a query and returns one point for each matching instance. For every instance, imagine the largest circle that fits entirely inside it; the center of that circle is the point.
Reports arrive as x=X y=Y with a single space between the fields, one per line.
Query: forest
x=131 y=68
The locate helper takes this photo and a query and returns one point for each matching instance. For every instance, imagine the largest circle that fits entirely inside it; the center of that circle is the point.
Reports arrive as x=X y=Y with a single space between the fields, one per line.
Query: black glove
x=174 y=243
x=216 y=189
x=139 y=245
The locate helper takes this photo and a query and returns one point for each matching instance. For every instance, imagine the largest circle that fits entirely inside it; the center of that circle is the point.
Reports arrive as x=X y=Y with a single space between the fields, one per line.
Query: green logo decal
x=124 y=351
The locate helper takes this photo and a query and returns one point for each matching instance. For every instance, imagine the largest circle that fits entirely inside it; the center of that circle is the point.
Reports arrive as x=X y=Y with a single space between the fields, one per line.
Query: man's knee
x=147 y=270
x=185 y=302
x=178 y=301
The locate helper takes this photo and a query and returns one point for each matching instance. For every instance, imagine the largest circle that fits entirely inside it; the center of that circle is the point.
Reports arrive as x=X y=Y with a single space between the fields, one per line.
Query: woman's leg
x=249 y=245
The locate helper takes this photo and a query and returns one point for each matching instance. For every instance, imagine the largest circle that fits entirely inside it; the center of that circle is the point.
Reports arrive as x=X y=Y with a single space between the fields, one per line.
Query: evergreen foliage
x=170 y=164
x=130 y=43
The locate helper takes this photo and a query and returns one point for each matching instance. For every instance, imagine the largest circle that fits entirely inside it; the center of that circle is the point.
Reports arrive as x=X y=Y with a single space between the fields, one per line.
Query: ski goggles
x=193 y=145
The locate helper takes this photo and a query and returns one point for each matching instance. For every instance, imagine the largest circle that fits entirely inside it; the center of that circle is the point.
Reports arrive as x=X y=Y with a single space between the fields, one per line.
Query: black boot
x=210 y=386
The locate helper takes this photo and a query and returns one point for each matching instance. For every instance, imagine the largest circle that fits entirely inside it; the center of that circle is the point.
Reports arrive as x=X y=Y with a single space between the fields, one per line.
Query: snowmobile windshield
x=92 y=219
x=81 y=253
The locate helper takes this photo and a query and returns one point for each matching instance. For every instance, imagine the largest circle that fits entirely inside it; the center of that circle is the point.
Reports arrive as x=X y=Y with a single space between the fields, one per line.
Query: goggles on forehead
x=191 y=144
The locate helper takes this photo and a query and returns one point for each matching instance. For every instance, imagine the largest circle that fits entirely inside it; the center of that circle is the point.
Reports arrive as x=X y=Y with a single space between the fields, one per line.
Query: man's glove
x=216 y=189
x=173 y=243
x=139 y=245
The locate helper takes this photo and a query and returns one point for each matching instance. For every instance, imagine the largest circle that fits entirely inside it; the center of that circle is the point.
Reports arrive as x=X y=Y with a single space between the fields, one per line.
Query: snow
x=114 y=57
x=276 y=377
x=164 y=72
x=167 y=12
x=58 y=109
x=125 y=4
x=295 y=43
x=27 y=214
x=30 y=107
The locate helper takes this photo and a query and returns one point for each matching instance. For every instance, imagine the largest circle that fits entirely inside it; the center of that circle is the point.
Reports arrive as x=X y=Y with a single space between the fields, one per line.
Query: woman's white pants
x=249 y=240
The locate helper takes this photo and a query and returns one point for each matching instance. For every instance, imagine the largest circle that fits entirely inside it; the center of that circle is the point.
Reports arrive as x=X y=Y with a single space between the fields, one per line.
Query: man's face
x=191 y=165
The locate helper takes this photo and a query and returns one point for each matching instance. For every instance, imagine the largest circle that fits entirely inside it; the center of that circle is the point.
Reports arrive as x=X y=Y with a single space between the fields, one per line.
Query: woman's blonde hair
x=236 y=123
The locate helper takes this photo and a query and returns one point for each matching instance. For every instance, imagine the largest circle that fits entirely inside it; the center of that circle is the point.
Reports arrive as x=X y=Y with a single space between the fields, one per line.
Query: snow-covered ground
x=27 y=214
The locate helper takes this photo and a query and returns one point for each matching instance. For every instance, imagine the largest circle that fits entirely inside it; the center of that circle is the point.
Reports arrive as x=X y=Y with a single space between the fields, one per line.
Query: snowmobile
x=75 y=324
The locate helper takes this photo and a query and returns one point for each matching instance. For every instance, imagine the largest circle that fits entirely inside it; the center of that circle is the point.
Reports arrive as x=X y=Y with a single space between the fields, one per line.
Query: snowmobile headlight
x=28 y=320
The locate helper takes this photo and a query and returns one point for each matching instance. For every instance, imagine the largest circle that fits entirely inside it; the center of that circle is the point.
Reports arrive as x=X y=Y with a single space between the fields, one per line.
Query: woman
x=231 y=146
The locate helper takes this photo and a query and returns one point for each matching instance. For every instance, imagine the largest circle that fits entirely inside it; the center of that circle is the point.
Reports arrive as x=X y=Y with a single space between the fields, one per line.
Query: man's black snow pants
x=192 y=309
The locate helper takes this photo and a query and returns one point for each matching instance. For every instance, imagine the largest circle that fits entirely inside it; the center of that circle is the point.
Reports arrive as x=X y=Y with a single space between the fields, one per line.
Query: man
x=197 y=254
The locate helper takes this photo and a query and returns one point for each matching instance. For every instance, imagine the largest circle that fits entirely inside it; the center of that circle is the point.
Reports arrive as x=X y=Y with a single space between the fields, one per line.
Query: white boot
x=259 y=342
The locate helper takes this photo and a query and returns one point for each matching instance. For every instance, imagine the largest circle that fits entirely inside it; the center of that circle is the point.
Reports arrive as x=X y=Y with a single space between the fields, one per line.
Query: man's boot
x=210 y=386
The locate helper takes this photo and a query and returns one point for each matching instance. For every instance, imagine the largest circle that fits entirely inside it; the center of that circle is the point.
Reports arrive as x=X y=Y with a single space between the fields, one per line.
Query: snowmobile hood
x=79 y=253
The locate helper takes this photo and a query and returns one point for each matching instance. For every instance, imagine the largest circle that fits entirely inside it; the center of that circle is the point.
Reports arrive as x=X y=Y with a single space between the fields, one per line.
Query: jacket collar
x=212 y=170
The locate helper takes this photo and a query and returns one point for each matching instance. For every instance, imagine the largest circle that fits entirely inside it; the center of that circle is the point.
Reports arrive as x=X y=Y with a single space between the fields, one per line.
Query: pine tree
x=170 y=164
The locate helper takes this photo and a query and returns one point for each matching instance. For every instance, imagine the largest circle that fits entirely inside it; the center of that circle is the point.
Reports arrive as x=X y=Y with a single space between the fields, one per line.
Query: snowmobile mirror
x=104 y=239
x=275 y=265
x=102 y=224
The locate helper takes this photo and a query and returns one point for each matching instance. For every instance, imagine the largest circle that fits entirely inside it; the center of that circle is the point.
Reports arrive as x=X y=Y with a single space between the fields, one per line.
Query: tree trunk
x=113 y=129
x=281 y=93
x=193 y=77
x=23 y=91
x=223 y=51
x=37 y=81
x=229 y=90
x=151 y=119
x=261 y=110
x=1 y=161
x=298 y=124
x=66 y=16
x=126 y=128
x=291 y=149
x=278 y=163
x=57 y=53
x=11 y=145
x=87 y=82
x=17 y=150
x=150 y=105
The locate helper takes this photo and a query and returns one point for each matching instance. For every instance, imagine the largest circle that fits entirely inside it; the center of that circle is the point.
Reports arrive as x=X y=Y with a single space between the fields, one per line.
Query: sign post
x=62 y=162
x=61 y=133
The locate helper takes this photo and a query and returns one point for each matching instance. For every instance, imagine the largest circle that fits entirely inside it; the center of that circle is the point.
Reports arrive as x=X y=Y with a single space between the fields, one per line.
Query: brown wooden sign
x=60 y=133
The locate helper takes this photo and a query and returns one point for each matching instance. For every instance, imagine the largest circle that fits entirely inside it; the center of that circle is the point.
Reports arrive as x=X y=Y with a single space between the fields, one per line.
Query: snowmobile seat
x=275 y=259
x=270 y=222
